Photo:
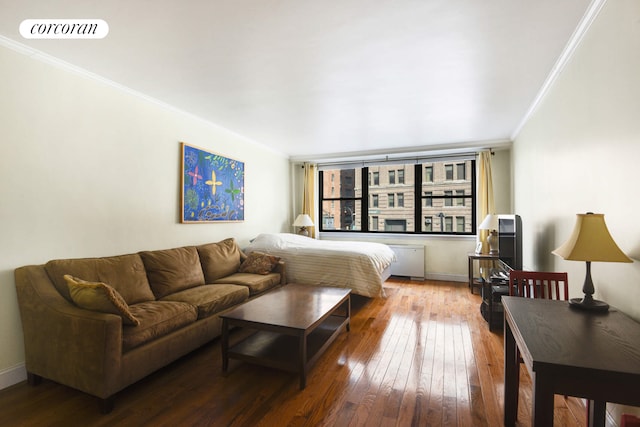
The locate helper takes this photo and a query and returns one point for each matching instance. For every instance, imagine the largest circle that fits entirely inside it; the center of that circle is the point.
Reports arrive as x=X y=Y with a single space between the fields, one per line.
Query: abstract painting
x=212 y=186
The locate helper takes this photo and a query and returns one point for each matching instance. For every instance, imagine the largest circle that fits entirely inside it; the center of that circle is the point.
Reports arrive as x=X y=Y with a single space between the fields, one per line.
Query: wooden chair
x=539 y=284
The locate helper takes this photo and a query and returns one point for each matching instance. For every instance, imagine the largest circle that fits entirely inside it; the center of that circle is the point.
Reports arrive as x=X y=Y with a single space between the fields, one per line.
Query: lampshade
x=591 y=241
x=303 y=220
x=490 y=222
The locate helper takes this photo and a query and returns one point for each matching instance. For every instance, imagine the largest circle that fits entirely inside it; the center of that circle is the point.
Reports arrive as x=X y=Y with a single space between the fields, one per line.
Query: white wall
x=90 y=170
x=580 y=152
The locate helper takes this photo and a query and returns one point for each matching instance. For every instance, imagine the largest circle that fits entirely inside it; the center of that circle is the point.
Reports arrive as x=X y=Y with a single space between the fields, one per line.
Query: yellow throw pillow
x=259 y=263
x=98 y=296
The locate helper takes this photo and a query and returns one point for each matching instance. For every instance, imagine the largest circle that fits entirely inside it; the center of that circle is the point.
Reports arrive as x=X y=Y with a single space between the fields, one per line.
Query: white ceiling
x=311 y=78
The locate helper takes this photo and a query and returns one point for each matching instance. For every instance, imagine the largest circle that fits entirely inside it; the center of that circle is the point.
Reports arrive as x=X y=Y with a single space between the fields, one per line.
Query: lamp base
x=588 y=304
x=303 y=231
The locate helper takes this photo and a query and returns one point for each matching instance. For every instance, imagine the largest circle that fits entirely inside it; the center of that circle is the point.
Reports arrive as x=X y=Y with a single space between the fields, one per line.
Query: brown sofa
x=101 y=324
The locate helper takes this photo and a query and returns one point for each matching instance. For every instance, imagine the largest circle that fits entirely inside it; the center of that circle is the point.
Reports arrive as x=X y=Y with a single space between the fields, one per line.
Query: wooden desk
x=479 y=257
x=569 y=352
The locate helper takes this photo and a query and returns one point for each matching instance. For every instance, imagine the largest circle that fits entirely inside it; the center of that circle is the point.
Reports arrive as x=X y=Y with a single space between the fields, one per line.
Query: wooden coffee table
x=294 y=325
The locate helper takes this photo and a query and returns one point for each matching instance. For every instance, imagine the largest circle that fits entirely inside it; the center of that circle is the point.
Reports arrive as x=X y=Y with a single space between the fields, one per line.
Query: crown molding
x=574 y=41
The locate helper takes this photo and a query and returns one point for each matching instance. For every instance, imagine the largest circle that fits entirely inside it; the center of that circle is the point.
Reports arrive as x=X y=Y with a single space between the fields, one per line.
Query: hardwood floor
x=422 y=356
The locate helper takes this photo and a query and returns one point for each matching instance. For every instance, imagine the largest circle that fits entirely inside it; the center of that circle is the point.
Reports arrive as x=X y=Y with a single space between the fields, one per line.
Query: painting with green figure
x=212 y=186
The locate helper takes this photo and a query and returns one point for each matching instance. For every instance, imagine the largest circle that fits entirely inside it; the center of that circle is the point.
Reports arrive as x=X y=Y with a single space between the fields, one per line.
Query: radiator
x=409 y=261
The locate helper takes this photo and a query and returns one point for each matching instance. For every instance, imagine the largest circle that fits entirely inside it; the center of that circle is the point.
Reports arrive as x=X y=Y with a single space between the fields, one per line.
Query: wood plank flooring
x=422 y=356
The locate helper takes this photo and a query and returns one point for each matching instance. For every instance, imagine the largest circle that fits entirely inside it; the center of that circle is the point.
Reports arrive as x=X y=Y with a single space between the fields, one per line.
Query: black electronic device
x=510 y=240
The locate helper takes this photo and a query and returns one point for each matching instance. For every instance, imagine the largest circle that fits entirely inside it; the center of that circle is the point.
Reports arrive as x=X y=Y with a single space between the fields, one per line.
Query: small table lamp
x=590 y=241
x=490 y=222
x=303 y=221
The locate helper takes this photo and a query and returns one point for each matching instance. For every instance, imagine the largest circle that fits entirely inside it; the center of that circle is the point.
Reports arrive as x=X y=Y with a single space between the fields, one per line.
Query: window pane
x=342 y=215
x=340 y=182
x=392 y=177
x=460 y=171
x=391 y=200
x=374 y=200
x=401 y=176
x=400 y=200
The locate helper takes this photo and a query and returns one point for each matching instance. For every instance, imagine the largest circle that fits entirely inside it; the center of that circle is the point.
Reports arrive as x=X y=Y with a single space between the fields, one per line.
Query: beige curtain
x=486 y=203
x=309 y=196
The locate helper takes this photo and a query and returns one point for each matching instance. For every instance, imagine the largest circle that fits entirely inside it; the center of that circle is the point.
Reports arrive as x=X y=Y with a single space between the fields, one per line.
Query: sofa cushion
x=219 y=259
x=98 y=296
x=259 y=263
x=172 y=270
x=256 y=283
x=211 y=299
x=125 y=273
x=157 y=318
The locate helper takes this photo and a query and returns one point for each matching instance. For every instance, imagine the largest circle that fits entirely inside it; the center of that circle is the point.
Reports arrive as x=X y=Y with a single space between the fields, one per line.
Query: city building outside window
x=400 y=197
x=391 y=201
x=392 y=177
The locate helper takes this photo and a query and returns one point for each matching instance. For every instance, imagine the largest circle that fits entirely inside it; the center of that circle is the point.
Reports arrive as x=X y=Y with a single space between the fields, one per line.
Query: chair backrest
x=539 y=284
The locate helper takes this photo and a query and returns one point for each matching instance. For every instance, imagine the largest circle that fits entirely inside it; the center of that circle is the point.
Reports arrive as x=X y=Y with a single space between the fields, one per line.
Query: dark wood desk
x=569 y=352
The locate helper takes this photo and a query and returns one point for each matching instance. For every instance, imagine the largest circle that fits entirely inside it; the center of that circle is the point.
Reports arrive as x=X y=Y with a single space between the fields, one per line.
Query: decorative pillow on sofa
x=220 y=259
x=172 y=270
x=259 y=263
x=98 y=296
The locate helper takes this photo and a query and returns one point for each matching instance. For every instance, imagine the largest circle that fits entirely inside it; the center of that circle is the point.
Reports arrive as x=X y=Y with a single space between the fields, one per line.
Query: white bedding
x=358 y=266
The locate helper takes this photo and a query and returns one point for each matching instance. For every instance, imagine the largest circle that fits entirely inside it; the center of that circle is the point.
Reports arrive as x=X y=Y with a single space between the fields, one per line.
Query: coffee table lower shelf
x=289 y=351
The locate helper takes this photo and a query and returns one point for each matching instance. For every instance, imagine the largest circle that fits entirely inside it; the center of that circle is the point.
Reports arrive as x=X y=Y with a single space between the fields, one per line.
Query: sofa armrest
x=73 y=346
x=280 y=268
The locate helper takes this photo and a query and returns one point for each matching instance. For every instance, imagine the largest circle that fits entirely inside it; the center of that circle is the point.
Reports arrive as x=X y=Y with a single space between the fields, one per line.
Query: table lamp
x=303 y=221
x=490 y=223
x=590 y=241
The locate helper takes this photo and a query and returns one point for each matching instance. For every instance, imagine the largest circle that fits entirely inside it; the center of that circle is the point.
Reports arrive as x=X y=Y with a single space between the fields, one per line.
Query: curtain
x=486 y=203
x=309 y=196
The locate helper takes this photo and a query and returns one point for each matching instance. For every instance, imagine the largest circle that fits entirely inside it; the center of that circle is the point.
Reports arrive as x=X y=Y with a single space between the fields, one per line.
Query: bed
x=360 y=266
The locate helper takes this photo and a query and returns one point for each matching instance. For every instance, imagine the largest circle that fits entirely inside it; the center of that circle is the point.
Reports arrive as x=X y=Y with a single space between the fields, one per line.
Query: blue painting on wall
x=212 y=187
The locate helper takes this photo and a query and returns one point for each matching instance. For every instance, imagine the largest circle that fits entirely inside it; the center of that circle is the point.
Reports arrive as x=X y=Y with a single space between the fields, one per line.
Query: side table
x=473 y=281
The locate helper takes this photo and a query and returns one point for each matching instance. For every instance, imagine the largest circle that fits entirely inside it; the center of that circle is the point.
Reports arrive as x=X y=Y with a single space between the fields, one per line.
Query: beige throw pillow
x=98 y=296
x=259 y=263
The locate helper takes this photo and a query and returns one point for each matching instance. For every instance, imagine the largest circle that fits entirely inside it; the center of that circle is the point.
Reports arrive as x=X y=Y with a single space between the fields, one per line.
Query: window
x=433 y=199
x=428 y=174
x=375 y=178
x=448 y=200
x=448 y=224
x=395 y=225
x=428 y=201
x=448 y=172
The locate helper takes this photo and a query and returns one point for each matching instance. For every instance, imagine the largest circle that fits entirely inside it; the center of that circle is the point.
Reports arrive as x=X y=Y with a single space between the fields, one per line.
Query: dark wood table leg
x=349 y=313
x=511 y=377
x=471 y=274
x=542 y=412
x=302 y=362
x=596 y=415
x=225 y=345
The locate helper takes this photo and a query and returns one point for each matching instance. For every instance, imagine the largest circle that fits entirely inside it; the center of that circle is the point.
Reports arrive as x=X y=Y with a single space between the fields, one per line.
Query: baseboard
x=447 y=277
x=11 y=376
